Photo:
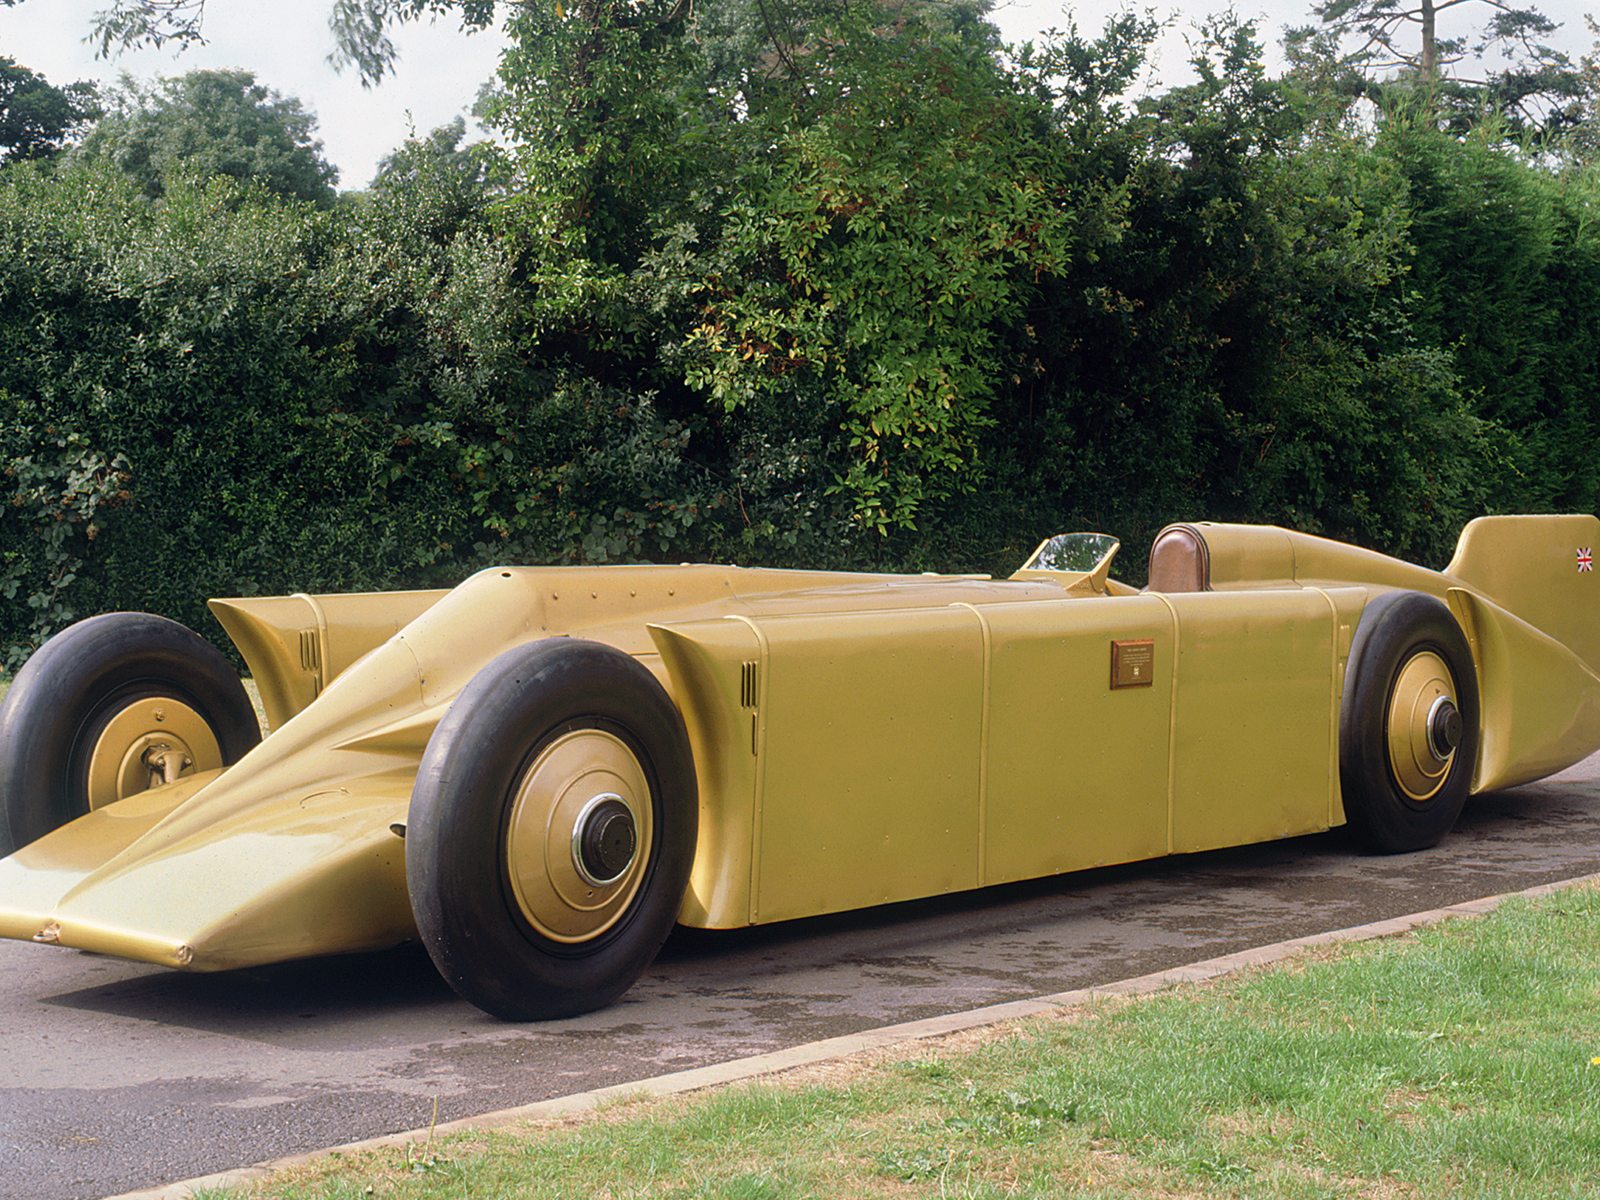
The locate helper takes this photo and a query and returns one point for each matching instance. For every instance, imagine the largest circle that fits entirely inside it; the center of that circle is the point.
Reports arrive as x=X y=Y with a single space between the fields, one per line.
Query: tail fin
x=1540 y=568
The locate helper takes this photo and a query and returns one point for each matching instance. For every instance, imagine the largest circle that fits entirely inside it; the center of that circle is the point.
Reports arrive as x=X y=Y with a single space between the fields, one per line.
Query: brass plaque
x=1133 y=664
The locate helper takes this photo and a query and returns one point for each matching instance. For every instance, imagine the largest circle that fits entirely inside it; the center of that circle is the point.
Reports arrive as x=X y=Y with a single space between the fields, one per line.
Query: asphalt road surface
x=115 y=1076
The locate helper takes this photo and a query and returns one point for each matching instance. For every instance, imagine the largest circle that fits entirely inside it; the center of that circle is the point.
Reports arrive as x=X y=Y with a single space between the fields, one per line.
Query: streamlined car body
x=539 y=772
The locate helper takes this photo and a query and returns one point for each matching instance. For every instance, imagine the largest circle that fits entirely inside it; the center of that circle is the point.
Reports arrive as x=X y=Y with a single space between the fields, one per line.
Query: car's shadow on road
x=263 y=1001
x=338 y=995
x=342 y=992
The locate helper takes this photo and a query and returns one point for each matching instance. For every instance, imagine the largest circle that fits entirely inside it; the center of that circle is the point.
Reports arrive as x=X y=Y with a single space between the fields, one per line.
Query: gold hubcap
x=152 y=741
x=582 y=777
x=1419 y=767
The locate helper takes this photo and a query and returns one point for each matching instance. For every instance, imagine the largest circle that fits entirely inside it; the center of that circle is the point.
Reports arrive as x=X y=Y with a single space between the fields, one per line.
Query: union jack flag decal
x=1586 y=559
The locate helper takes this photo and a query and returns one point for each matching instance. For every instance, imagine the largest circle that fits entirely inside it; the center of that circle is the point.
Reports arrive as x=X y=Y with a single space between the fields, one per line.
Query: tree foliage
x=440 y=181
x=883 y=247
x=1503 y=69
x=819 y=285
x=841 y=220
x=259 y=377
x=38 y=119
x=360 y=28
x=1405 y=33
x=213 y=123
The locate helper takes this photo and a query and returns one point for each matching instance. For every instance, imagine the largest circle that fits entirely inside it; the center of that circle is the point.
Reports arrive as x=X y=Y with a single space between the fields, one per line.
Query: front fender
x=307 y=874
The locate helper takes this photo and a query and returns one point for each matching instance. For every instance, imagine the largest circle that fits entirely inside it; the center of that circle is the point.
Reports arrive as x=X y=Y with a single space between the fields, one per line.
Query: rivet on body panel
x=183 y=955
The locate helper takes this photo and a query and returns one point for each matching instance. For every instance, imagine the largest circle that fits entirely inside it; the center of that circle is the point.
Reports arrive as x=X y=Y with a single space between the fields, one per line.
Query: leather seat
x=1179 y=561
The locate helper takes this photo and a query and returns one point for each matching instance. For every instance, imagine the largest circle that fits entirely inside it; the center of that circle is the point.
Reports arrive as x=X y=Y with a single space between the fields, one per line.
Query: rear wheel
x=110 y=707
x=551 y=830
x=1408 y=730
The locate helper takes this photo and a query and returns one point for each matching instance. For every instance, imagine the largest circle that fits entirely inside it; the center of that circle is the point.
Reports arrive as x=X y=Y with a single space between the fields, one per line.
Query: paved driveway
x=117 y=1076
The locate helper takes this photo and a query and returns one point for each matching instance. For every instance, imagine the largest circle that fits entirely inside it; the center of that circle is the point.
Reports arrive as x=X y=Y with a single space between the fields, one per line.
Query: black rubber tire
x=462 y=808
x=63 y=696
x=1394 y=628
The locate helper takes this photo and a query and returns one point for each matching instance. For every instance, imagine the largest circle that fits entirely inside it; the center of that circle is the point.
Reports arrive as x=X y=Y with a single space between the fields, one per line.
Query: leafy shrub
x=869 y=299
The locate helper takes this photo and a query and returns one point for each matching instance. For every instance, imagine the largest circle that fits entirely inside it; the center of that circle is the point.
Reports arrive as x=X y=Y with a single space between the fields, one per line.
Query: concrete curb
x=840 y=1047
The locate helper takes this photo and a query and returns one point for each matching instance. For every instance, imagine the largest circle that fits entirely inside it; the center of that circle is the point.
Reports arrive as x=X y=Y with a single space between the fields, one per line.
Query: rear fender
x=1541 y=569
x=1540 y=703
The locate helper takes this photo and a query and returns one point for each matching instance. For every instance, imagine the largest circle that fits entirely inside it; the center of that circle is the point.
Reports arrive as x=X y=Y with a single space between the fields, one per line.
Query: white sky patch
x=286 y=43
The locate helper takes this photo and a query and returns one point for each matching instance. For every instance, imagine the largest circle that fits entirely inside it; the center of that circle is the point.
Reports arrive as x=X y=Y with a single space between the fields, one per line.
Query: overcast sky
x=286 y=43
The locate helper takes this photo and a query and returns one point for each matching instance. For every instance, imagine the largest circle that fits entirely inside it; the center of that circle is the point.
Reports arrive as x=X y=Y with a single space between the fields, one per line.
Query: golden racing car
x=540 y=771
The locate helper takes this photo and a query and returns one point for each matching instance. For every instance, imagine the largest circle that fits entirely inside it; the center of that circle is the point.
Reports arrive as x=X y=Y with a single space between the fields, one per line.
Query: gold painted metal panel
x=1256 y=557
x=1541 y=705
x=860 y=739
x=870 y=737
x=314 y=873
x=1250 y=556
x=1541 y=569
x=1348 y=604
x=296 y=645
x=1319 y=562
x=1254 y=737
x=337 y=772
x=1077 y=771
x=717 y=670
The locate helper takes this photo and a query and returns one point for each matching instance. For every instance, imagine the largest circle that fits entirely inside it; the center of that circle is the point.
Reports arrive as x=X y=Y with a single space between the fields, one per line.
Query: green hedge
x=1369 y=337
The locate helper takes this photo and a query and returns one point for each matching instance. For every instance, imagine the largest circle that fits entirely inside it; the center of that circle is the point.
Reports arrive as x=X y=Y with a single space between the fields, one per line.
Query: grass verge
x=1461 y=1061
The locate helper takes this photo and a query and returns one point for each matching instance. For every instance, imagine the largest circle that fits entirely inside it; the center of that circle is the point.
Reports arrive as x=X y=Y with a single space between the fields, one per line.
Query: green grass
x=1460 y=1062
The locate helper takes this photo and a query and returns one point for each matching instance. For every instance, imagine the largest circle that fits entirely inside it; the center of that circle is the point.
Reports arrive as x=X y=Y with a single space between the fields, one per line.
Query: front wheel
x=109 y=707
x=551 y=830
x=1408 y=724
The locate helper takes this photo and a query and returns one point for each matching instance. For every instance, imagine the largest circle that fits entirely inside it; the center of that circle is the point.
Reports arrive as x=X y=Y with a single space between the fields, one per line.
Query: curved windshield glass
x=1076 y=552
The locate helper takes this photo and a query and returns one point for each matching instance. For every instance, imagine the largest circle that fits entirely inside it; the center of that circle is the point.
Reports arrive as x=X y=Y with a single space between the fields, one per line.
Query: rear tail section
x=1541 y=569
